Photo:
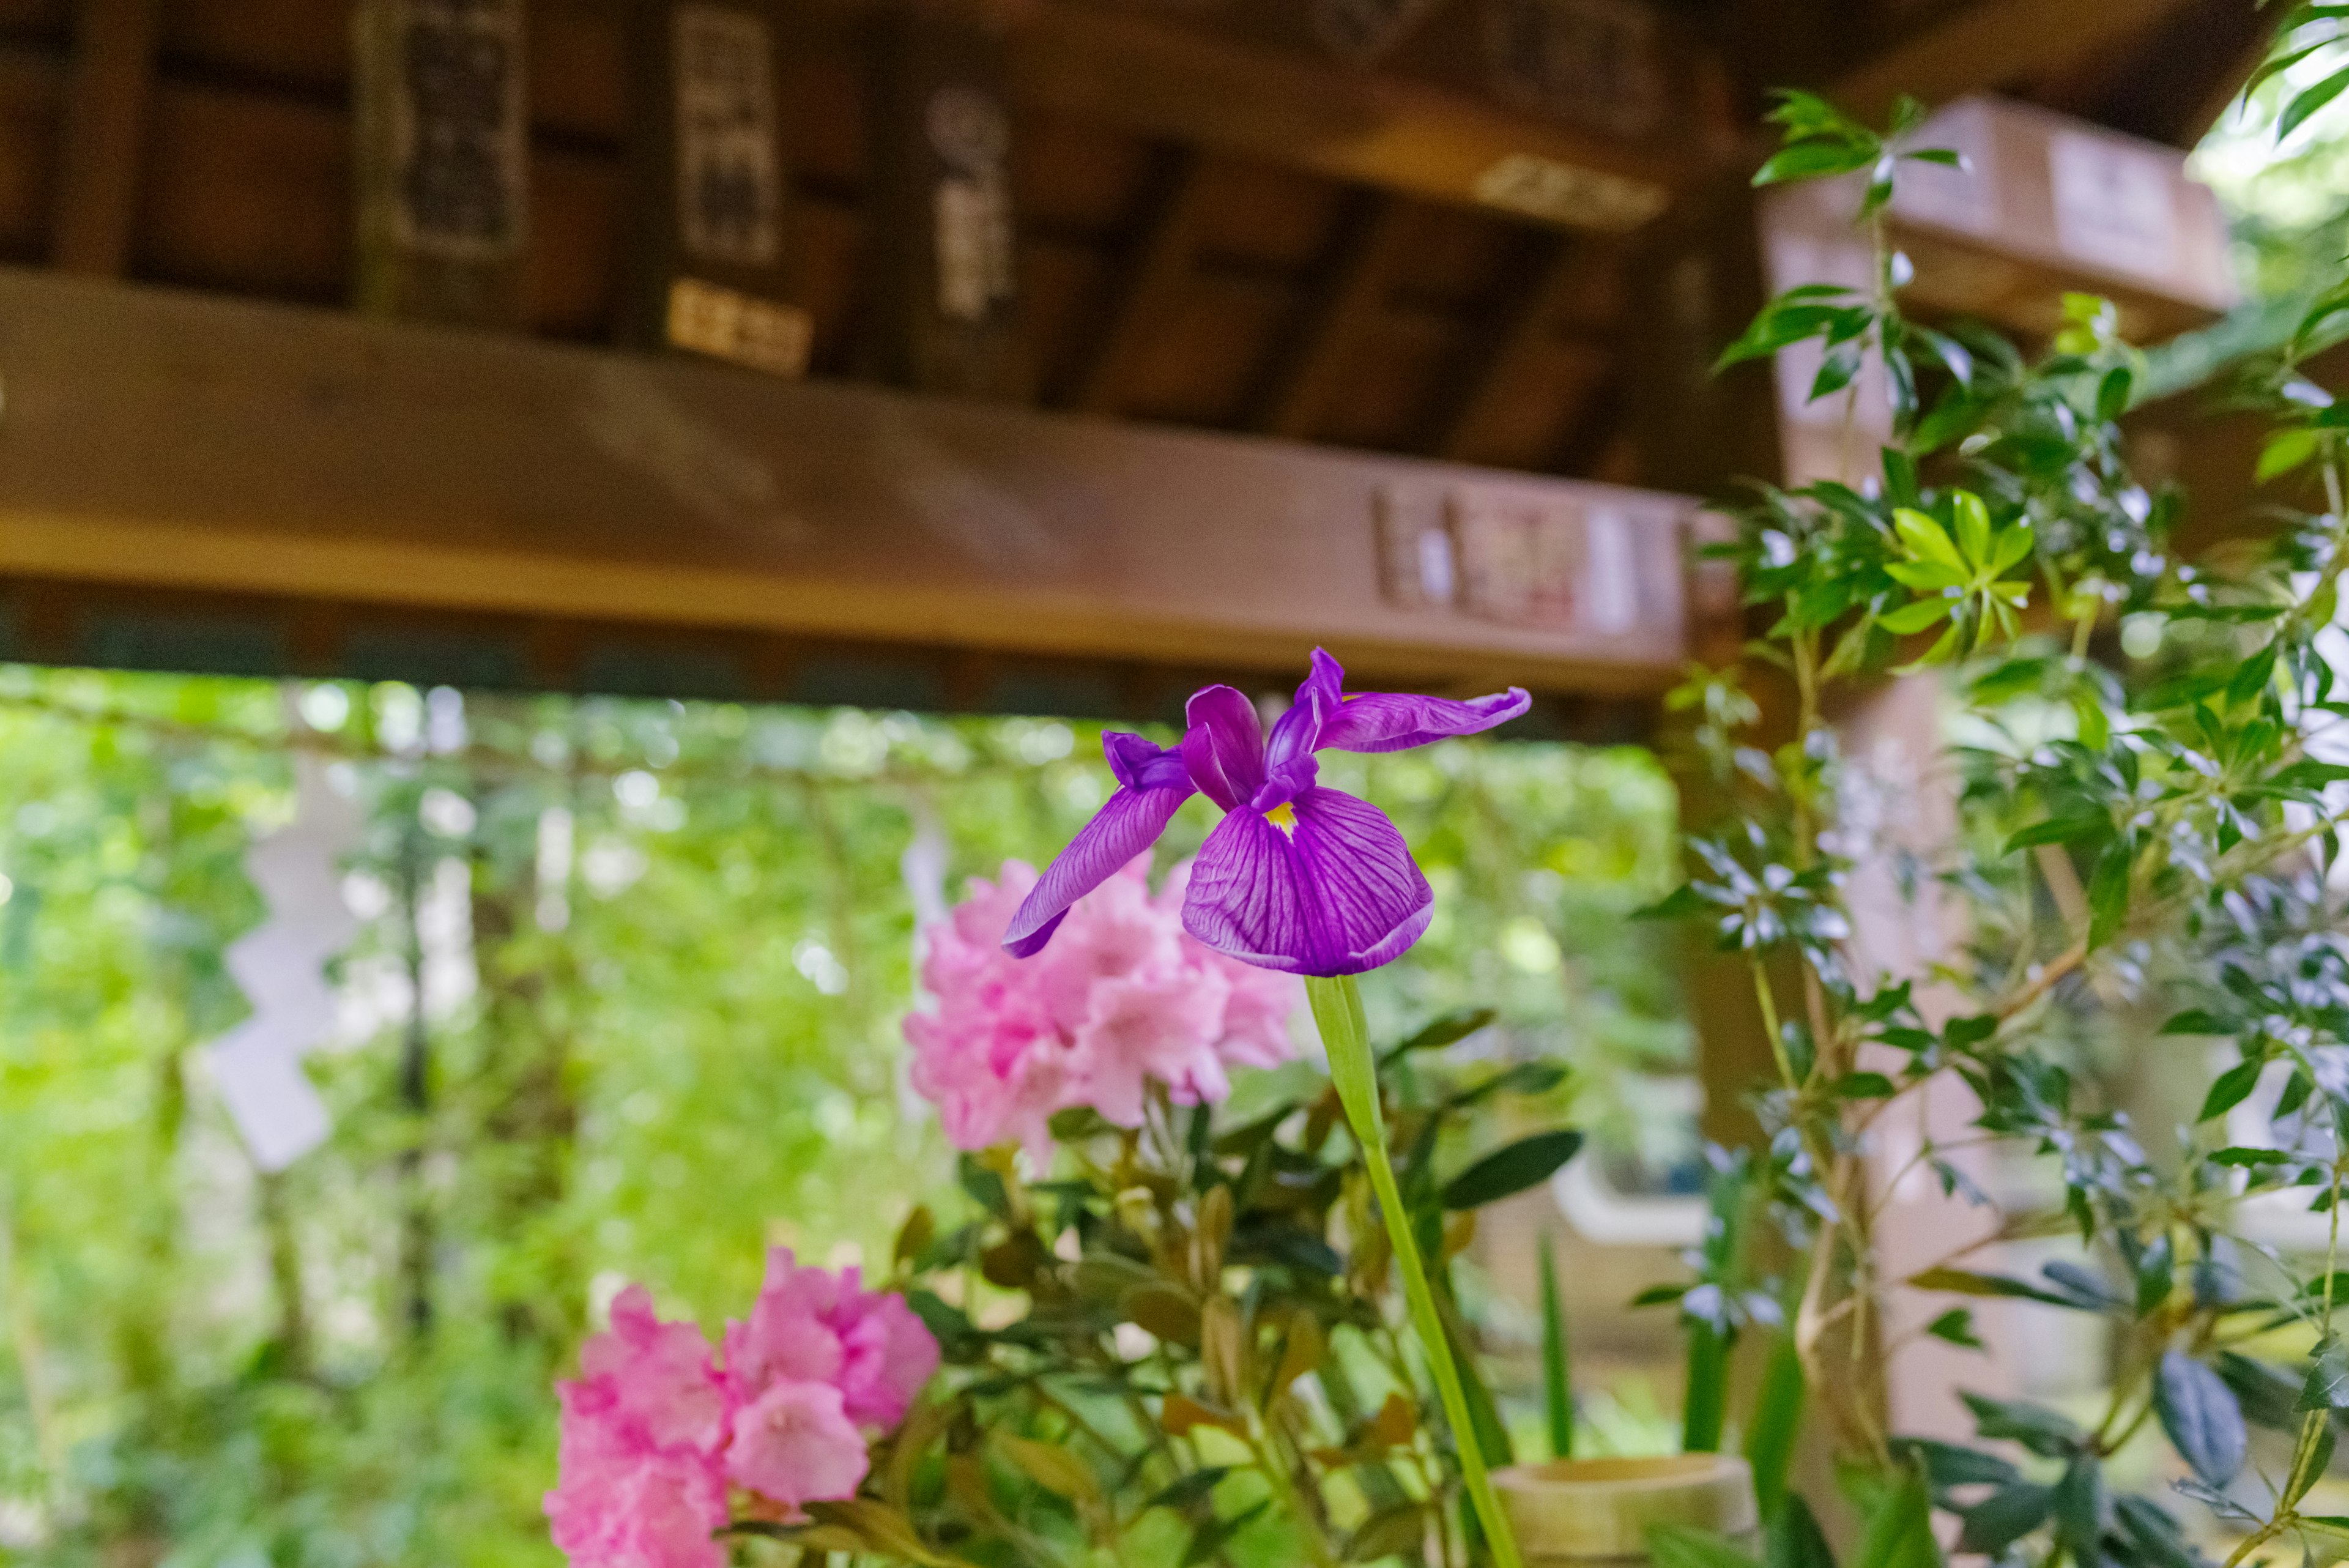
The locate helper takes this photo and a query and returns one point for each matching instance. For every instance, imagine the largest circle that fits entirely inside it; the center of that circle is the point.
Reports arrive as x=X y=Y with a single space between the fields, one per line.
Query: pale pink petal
x=795 y=1444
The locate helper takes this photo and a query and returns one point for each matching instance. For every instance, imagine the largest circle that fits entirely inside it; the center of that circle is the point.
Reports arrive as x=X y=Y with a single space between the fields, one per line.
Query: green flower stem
x=1345 y=1033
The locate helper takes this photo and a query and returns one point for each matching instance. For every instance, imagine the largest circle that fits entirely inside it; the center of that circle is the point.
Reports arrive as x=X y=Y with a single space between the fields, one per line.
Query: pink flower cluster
x=654 y=1431
x=1123 y=997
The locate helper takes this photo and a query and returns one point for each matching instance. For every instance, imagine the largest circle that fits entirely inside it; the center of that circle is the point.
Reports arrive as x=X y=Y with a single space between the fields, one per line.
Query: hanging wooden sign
x=713 y=254
x=441 y=164
x=943 y=244
x=1595 y=63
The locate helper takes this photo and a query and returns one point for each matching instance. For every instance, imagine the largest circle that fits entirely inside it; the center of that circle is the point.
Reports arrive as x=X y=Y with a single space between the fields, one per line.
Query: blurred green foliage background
x=663 y=950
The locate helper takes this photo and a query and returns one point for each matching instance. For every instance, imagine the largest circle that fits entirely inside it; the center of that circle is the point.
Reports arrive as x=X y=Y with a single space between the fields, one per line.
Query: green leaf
x=1951 y=1465
x=1915 y=617
x=1776 y=1421
x=2199 y=1413
x=2306 y=102
x=2285 y=451
x=2327 y=1387
x=1900 y=1529
x=1862 y=1086
x=1974 y=525
x=2231 y=1088
x=1526 y=1163
x=2081 y=1508
x=1706 y=1404
x=1795 y=1539
x=2042 y=1431
x=2013 y=543
x=1678 y=1546
x=2006 y=1517
x=1966 y=1283
x=1926 y=577
x=1957 y=1327
x=1925 y=539
x=2113 y=393
x=2249 y=1158
x=1813 y=160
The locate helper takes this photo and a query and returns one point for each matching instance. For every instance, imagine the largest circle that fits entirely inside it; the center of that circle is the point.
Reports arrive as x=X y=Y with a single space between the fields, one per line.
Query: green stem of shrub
x=1345 y=1034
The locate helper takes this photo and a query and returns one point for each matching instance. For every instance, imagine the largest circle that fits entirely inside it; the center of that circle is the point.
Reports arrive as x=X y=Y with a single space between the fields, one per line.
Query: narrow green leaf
x=1558 y=1391
x=1973 y=527
x=1795 y=1539
x=2006 y=1517
x=1707 y=1400
x=2199 y=1413
x=1777 y=1420
x=1526 y=1163
x=2230 y=1088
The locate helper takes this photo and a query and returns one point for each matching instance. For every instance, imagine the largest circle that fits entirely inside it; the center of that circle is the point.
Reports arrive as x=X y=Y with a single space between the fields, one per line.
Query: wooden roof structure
x=1456 y=229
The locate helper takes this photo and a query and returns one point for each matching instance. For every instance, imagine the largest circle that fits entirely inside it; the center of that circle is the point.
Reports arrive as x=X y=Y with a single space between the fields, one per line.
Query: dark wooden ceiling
x=1161 y=281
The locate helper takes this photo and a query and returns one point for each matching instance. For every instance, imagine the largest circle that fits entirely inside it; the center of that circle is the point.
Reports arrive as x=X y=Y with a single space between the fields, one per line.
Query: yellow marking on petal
x=1284 y=817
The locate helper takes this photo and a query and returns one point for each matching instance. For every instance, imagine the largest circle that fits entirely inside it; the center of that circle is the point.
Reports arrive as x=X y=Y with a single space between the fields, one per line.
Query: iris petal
x=1387 y=721
x=1340 y=895
x=1224 y=745
x=1130 y=824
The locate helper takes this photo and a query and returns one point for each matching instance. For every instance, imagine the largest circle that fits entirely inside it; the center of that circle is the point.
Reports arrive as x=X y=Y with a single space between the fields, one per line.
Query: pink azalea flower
x=649 y=1512
x=1125 y=998
x=641 y=1485
x=810 y=1325
x=795 y=1444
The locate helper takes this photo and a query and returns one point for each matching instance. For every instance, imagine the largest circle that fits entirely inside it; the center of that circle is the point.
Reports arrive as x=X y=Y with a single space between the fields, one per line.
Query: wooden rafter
x=1344 y=302
x=1499 y=357
x=164 y=442
x=1153 y=269
x=1991 y=43
x=110 y=83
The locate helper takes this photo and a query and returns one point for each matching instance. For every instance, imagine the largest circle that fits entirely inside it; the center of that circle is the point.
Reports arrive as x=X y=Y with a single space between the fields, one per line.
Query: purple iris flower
x=1295 y=877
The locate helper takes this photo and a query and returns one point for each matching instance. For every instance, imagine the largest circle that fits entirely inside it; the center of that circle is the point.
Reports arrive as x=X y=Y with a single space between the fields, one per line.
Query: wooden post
x=941 y=248
x=713 y=270
x=440 y=167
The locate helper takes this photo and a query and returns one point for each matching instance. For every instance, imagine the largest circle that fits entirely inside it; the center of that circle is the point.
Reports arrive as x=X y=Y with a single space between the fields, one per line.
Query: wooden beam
x=1096 y=64
x=104 y=148
x=1346 y=301
x=1988 y=44
x=1153 y=268
x=175 y=441
x=1501 y=357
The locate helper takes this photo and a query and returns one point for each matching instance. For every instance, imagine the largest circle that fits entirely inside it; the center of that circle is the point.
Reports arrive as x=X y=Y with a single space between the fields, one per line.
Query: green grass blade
x=1777 y=1419
x=1707 y=1407
x=1558 y=1389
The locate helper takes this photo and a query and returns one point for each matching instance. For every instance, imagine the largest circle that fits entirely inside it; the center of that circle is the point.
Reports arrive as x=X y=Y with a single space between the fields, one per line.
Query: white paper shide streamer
x=280 y=965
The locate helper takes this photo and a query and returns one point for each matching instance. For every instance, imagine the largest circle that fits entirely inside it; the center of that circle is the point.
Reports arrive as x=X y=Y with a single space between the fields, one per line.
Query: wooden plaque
x=441 y=164
x=714 y=269
x=942 y=243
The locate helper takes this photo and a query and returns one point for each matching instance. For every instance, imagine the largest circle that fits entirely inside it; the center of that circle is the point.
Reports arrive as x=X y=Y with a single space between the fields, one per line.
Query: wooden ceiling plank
x=1154 y=268
x=1174 y=83
x=1989 y=44
x=1347 y=302
x=1516 y=338
x=103 y=153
